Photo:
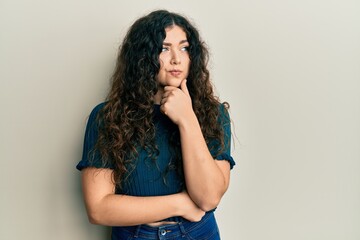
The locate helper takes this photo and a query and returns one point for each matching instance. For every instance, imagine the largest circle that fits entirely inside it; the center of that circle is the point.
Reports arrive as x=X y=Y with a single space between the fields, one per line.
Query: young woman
x=156 y=159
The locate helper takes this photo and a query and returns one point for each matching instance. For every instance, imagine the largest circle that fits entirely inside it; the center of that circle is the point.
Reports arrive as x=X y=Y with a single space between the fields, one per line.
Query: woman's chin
x=174 y=82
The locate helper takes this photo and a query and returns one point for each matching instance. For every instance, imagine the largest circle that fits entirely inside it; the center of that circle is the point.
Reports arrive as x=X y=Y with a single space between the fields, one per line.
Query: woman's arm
x=206 y=179
x=104 y=207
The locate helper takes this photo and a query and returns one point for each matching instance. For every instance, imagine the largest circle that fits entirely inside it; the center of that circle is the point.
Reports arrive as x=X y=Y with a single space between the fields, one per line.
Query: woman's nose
x=175 y=58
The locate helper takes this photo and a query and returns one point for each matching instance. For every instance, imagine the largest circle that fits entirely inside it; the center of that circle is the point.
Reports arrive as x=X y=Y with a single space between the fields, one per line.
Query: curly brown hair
x=126 y=120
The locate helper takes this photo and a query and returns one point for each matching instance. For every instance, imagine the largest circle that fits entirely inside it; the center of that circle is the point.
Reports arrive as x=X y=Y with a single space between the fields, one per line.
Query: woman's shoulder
x=98 y=107
x=223 y=109
x=95 y=111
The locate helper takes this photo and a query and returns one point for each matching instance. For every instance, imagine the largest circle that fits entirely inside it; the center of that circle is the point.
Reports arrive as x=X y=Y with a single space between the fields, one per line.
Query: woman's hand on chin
x=176 y=103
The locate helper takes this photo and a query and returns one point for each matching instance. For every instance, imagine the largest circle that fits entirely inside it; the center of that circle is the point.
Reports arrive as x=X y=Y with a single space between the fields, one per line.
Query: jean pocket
x=204 y=234
x=122 y=235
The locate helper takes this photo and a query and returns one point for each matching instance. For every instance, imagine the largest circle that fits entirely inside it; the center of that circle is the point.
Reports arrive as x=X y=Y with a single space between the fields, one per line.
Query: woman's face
x=174 y=58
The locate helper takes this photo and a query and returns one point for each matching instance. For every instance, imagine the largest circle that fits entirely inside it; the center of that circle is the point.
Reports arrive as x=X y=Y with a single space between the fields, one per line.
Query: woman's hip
x=205 y=229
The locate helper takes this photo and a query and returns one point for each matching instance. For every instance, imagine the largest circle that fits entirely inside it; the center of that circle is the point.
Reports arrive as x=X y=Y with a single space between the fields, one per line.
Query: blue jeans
x=206 y=229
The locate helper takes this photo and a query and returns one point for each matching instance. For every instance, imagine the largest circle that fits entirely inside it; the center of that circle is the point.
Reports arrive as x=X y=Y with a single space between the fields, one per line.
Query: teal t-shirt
x=146 y=176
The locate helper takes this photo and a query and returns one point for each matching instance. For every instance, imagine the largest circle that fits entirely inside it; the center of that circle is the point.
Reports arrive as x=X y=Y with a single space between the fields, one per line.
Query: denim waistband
x=170 y=230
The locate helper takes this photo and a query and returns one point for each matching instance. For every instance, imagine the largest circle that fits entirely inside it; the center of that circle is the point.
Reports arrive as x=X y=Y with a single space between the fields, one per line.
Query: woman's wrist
x=178 y=203
x=188 y=121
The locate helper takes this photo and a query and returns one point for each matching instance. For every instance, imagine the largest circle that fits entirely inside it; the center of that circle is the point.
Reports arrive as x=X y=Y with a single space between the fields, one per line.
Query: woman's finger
x=184 y=87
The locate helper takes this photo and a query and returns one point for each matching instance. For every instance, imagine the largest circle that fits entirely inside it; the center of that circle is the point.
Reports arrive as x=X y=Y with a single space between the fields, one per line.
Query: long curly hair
x=126 y=120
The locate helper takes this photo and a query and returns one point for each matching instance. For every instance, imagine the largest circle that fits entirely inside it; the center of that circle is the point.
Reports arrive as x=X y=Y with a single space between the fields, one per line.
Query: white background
x=289 y=69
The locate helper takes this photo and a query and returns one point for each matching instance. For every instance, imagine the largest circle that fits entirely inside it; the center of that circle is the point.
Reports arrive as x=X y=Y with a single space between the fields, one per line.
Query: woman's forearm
x=123 y=210
x=206 y=182
x=104 y=207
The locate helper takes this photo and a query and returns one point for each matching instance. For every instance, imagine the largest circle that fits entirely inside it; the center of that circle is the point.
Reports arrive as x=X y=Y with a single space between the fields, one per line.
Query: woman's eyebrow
x=169 y=44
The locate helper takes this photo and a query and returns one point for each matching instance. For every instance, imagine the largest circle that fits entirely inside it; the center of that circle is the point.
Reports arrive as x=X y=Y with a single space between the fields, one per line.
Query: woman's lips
x=175 y=73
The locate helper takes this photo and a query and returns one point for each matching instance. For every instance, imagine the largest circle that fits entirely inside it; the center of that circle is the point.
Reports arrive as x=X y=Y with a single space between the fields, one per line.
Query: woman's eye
x=185 y=49
x=164 y=49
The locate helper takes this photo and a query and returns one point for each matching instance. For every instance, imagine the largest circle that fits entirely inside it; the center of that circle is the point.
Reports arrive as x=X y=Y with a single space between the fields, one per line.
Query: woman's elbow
x=209 y=204
x=95 y=214
x=210 y=200
x=94 y=218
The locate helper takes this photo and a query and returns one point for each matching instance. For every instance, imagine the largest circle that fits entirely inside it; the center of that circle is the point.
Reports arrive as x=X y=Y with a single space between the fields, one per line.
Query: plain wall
x=289 y=69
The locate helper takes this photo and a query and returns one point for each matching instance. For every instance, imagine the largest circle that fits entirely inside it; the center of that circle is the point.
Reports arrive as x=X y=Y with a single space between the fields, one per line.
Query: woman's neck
x=158 y=95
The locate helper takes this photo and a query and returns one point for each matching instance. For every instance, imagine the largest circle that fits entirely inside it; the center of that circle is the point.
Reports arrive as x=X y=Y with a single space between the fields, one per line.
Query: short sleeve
x=91 y=157
x=214 y=146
